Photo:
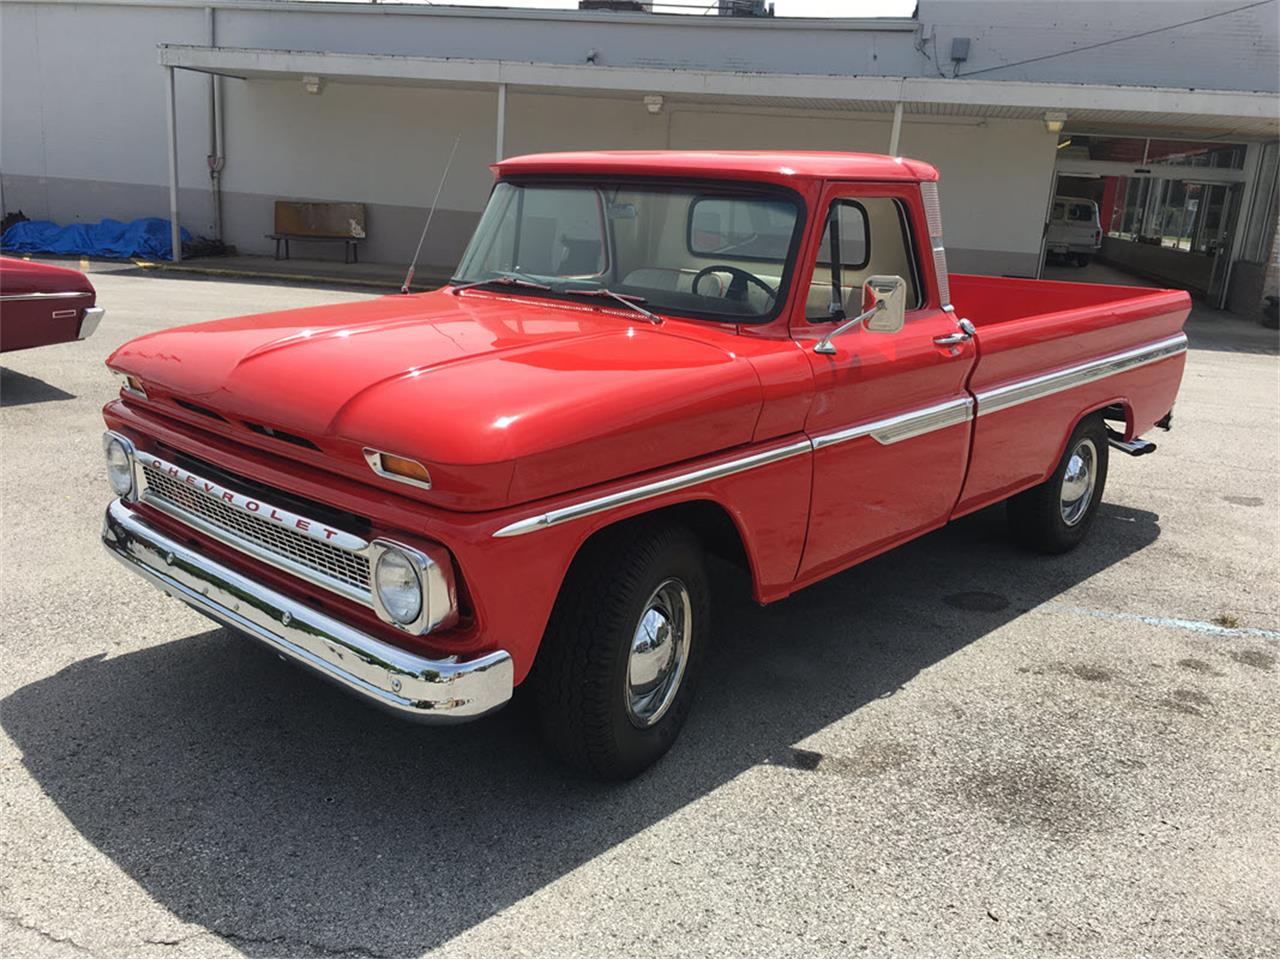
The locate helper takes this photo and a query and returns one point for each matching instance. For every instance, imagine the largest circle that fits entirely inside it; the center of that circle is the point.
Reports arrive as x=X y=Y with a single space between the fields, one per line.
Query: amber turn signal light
x=398 y=468
x=131 y=384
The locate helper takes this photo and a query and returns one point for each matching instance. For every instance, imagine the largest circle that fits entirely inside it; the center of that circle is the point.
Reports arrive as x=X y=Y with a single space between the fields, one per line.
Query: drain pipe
x=897 y=129
x=214 y=157
x=896 y=132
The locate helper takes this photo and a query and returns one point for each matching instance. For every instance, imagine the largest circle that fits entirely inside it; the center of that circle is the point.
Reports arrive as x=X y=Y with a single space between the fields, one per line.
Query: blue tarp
x=110 y=239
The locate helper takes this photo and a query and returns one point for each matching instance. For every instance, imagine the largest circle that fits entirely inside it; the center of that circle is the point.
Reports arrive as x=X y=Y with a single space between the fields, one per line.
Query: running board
x=1136 y=447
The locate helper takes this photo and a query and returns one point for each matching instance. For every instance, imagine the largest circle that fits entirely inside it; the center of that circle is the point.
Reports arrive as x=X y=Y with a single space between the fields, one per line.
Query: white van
x=1075 y=233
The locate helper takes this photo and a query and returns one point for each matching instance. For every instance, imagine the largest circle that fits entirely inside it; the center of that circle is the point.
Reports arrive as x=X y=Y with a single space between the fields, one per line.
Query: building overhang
x=1098 y=108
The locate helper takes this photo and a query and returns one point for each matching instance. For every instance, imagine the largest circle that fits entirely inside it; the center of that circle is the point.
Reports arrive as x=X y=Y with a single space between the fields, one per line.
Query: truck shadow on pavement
x=263 y=805
x=18 y=389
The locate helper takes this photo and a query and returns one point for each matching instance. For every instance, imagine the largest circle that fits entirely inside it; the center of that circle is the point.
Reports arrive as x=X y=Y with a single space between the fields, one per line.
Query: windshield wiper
x=504 y=280
x=626 y=299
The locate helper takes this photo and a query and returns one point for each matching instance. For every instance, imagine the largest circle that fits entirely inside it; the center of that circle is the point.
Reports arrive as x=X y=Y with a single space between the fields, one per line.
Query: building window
x=1179 y=214
x=1140 y=151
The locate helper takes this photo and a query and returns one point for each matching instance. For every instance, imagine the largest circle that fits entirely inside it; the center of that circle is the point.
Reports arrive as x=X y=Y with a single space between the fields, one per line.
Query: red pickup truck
x=644 y=358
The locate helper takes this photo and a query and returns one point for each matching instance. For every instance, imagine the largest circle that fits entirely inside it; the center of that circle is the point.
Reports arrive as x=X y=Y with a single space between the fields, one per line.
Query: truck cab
x=643 y=359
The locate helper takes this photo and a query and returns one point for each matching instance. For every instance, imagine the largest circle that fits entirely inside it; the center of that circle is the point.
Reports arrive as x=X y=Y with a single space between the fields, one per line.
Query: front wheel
x=1055 y=516
x=615 y=676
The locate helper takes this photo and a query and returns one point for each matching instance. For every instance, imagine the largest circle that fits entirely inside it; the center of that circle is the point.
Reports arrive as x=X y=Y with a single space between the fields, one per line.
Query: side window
x=1059 y=211
x=873 y=238
x=853 y=235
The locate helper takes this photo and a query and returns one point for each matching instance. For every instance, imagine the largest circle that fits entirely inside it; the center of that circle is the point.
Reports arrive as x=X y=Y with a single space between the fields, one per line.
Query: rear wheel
x=1056 y=515
x=615 y=675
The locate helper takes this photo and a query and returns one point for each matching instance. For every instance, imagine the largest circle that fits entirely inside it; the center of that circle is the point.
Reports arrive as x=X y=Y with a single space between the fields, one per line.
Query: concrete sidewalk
x=380 y=277
x=386 y=277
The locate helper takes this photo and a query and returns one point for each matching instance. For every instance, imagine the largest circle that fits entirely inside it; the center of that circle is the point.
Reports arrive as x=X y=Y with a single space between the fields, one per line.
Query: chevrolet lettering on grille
x=245 y=504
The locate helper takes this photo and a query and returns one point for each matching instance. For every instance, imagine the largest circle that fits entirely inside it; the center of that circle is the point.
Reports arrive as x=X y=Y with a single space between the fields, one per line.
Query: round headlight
x=398 y=586
x=119 y=467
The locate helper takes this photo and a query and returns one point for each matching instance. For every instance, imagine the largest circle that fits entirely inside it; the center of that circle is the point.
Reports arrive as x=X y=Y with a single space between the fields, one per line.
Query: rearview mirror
x=891 y=294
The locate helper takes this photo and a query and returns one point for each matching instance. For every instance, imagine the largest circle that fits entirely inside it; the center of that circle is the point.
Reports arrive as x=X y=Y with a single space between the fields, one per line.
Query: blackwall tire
x=1056 y=515
x=616 y=673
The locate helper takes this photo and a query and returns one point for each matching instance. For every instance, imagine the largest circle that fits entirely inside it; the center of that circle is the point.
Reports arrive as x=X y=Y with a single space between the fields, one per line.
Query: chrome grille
x=329 y=561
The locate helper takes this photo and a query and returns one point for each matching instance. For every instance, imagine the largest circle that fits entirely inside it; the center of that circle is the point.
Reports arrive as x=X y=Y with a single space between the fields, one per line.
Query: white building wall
x=383 y=146
x=82 y=112
x=993 y=221
x=1052 y=41
x=82 y=118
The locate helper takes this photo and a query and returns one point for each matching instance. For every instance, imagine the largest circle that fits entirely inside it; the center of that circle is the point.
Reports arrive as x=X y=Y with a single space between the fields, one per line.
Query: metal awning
x=1223 y=113
x=1090 y=108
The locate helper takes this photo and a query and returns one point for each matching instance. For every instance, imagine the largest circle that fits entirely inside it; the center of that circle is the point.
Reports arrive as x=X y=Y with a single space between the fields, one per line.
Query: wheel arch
x=712 y=522
x=722 y=532
x=1115 y=408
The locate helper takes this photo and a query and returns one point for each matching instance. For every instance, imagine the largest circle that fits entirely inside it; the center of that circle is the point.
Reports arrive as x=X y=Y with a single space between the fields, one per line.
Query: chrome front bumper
x=428 y=691
x=89 y=322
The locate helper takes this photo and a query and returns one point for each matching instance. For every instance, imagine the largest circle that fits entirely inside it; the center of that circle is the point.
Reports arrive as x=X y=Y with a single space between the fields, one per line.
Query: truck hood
x=504 y=399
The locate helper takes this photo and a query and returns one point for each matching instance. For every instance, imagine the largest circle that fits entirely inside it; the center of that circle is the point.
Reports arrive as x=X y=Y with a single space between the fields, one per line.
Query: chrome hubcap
x=658 y=654
x=1078 y=481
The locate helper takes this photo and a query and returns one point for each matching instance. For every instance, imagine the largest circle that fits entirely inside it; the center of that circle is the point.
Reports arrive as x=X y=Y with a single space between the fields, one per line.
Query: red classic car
x=42 y=304
x=644 y=358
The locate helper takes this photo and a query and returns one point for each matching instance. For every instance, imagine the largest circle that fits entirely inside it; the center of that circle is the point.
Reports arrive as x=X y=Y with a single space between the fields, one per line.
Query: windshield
x=714 y=253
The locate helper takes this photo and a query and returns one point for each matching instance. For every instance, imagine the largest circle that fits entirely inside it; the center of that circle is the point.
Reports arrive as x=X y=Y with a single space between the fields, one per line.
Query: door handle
x=965 y=333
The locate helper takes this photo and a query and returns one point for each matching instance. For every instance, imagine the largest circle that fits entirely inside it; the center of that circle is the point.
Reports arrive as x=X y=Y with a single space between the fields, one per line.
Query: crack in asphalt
x=303 y=947
x=310 y=948
x=14 y=920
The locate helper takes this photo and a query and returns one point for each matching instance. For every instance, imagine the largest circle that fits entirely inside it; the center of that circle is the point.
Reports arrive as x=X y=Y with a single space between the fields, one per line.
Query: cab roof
x=767 y=165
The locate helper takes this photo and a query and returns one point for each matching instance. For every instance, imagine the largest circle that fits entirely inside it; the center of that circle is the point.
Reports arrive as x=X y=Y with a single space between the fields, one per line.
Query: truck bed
x=1075 y=348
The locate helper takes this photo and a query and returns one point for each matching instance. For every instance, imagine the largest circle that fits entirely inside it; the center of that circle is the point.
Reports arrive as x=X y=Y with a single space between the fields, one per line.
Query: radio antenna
x=408 y=277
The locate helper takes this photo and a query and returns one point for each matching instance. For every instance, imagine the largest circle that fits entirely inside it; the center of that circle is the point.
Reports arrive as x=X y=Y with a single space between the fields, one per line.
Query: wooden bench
x=333 y=222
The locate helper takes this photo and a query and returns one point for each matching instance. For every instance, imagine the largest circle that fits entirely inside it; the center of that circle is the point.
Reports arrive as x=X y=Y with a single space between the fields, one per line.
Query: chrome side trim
x=89 y=322
x=1024 y=391
x=655 y=489
x=61 y=295
x=429 y=691
x=904 y=426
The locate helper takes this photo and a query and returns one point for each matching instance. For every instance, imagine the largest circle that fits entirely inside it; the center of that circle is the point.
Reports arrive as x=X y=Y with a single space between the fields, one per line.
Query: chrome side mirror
x=890 y=295
x=884 y=300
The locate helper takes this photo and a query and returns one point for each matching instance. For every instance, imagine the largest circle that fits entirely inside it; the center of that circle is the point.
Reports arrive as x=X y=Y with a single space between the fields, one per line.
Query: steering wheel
x=738 y=285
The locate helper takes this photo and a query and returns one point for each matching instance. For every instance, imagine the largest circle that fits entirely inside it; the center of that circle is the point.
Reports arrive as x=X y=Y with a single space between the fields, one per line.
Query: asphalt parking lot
x=957 y=748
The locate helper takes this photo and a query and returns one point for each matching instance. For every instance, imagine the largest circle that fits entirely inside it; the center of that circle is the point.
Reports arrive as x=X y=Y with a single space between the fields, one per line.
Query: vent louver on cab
x=933 y=217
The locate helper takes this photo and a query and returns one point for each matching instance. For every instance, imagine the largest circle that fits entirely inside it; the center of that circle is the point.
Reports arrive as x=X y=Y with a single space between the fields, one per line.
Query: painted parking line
x=1177 y=623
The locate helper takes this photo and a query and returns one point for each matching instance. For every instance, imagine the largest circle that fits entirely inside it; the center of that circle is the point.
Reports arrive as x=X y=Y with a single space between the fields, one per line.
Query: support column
x=502 y=120
x=897 y=129
x=175 y=231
